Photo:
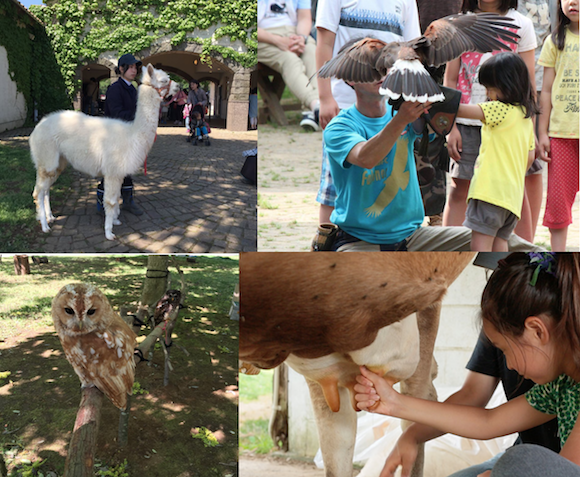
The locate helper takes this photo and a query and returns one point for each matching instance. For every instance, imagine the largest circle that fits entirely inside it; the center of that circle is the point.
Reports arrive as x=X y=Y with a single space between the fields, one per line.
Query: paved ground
x=289 y=164
x=193 y=200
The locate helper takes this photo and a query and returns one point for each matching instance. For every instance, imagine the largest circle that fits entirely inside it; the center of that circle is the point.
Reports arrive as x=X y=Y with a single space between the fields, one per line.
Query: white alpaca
x=111 y=148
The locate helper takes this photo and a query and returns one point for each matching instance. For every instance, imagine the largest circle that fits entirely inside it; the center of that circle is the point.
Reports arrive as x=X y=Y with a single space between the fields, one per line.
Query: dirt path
x=289 y=164
x=251 y=466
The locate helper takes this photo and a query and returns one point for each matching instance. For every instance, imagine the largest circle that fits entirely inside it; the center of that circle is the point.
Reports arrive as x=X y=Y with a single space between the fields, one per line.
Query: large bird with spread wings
x=369 y=60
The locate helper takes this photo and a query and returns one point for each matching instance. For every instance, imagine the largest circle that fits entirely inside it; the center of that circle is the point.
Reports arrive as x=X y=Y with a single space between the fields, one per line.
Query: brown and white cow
x=327 y=313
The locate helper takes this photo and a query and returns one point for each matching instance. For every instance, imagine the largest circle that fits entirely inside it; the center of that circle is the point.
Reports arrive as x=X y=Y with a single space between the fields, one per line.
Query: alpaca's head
x=159 y=80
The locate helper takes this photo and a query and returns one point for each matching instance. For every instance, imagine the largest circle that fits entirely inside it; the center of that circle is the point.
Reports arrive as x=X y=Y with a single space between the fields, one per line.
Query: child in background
x=496 y=191
x=558 y=122
x=465 y=136
x=530 y=309
x=199 y=129
x=186 y=113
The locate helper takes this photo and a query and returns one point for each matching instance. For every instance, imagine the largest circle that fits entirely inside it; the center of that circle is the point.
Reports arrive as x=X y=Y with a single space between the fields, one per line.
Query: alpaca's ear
x=150 y=69
x=145 y=78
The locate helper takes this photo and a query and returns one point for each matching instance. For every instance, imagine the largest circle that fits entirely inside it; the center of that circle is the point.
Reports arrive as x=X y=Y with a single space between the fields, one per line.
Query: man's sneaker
x=309 y=121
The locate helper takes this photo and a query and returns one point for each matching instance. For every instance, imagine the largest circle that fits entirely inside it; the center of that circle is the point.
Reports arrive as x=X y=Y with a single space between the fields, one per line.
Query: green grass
x=45 y=391
x=265 y=203
x=254 y=436
x=18 y=224
x=253 y=387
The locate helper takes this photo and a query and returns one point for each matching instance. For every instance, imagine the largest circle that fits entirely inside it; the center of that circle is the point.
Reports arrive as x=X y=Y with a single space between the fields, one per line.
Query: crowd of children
x=491 y=191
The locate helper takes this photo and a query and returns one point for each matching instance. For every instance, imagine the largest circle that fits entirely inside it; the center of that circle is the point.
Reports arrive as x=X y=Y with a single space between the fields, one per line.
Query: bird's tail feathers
x=411 y=80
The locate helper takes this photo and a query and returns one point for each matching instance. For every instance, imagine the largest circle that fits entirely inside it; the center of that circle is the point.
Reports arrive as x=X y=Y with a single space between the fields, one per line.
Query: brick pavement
x=192 y=196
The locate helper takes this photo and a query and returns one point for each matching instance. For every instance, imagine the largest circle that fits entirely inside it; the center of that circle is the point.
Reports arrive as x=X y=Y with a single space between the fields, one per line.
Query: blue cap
x=128 y=59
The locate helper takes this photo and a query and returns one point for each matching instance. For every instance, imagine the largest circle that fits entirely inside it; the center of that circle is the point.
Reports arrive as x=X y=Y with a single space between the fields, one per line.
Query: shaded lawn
x=18 y=224
x=40 y=398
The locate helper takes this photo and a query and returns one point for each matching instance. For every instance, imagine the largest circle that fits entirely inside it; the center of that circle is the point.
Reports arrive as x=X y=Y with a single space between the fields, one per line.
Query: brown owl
x=96 y=341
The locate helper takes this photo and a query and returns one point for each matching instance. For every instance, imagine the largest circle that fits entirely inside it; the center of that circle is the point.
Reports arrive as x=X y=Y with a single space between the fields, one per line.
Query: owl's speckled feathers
x=166 y=309
x=96 y=341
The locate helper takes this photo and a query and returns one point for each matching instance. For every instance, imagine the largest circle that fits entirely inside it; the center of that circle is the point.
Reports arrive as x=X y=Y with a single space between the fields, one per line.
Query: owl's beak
x=81 y=324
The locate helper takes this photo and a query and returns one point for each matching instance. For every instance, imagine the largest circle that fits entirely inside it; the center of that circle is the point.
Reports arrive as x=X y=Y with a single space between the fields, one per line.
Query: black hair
x=508 y=73
x=509 y=297
x=559 y=33
x=473 y=5
x=194 y=81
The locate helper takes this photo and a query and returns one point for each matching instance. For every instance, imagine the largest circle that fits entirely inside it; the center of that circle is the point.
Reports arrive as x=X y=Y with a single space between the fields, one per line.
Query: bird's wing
x=449 y=37
x=356 y=63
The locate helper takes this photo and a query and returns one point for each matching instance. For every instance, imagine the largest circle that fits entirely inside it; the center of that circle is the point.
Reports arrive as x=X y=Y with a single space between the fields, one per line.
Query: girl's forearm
x=545 y=111
x=465 y=421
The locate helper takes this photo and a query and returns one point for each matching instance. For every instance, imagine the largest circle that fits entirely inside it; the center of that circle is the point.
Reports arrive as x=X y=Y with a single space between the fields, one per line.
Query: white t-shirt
x=472 y=92
x=277 y=13
x=387 y=20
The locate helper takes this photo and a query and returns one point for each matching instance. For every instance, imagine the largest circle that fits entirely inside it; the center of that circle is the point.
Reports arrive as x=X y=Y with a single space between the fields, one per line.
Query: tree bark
x=21 y=265
x=155 y=280
x=80 y=458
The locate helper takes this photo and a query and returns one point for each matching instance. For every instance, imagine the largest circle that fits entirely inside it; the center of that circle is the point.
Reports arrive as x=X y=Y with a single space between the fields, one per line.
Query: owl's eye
x=91 y=312
x=69 y=311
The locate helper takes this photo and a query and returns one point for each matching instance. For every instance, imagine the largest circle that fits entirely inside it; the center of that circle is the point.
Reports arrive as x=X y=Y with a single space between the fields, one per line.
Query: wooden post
x=80 y=458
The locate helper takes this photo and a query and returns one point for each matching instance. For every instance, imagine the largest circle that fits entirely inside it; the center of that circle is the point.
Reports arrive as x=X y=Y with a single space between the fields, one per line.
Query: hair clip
x=545 y=261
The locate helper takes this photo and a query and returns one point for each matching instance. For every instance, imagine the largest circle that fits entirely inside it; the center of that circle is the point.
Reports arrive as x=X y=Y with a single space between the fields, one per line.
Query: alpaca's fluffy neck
x=144 y=127
x=147 y=114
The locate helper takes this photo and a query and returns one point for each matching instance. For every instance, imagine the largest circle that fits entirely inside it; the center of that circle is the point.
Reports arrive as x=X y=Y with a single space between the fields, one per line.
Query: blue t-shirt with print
x=381 y=205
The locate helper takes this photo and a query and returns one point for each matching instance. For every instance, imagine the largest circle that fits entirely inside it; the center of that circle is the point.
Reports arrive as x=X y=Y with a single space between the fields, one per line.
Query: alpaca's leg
x=111 y=202
x=40 y=195
x=61 y=167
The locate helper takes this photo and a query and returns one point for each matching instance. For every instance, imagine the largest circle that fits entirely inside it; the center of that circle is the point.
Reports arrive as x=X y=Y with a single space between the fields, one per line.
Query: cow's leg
x=336 y=431
x=420 y=384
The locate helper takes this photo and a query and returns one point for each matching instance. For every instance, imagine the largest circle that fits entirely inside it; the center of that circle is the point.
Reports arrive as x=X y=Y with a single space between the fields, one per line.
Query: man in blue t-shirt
x=378 y=205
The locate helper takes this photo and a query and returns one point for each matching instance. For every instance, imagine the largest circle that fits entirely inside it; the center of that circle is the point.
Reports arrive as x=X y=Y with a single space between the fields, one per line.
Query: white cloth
x=277 y=13
x=392 y=20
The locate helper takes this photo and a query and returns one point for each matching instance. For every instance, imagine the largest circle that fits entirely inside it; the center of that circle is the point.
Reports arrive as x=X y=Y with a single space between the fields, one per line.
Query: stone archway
x=231 y=80
x=100 y=70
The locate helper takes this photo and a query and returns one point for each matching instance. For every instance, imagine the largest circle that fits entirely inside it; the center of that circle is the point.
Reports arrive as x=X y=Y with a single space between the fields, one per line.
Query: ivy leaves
x=80 y=30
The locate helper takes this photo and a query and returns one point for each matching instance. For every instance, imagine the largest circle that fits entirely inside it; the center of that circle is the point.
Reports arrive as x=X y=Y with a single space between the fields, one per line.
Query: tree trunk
x=155 y=280
x=80 y=458
x=21 y=265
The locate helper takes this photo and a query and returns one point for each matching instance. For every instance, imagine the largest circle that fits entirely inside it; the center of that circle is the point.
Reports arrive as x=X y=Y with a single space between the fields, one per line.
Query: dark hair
x=194 y=81
x=508 y=73
x=559 y=33
x=509 y=298
x=473 y=5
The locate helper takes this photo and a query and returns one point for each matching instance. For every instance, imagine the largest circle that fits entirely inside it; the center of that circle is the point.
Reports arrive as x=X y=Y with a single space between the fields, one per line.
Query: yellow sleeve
x=494 y=112
x=548 y=54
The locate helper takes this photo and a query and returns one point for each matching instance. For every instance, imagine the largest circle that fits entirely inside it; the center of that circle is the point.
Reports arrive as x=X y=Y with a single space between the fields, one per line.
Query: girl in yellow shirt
x=496 y=192
x=558 y=122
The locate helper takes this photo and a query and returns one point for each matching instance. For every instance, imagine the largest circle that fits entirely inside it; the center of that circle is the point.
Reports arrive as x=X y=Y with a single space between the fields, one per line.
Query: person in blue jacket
x=121 y=103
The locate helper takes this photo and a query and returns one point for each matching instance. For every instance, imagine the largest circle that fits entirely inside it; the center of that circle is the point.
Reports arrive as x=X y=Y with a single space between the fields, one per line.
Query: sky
x=27 y=3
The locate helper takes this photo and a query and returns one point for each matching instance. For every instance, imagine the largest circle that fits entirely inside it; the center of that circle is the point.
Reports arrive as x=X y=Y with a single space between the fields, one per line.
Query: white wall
x=457 y=336
x=13 y=110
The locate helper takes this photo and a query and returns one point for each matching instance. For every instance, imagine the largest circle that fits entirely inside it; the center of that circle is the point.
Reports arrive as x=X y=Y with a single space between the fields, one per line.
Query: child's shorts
x=489 y=219
x=470 y=140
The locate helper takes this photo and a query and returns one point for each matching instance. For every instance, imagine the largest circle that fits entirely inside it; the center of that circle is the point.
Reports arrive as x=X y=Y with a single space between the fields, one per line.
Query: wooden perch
x=81 y=453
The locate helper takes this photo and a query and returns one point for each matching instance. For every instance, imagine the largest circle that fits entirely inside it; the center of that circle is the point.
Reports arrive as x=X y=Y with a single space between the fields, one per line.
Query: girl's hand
x=403 y=454
x=328 y=110
x=487 y=473
x=375 y=394
x=544 y=148
x=454 y=144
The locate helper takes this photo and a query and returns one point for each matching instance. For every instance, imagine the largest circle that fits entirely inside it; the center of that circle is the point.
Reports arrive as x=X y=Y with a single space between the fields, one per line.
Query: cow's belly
x=394 y=354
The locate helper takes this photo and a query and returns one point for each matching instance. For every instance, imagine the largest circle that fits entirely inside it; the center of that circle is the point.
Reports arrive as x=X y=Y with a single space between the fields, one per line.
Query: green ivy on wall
x=31 y=62
x=80 y=30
